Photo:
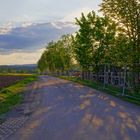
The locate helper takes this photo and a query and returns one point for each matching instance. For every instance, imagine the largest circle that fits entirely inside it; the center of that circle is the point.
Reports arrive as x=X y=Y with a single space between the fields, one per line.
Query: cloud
x=21 y=58
x=77 y=13
x=33 y=36
x=5 y=29
x=27 y=24
x=25 y=44
x=56 y=25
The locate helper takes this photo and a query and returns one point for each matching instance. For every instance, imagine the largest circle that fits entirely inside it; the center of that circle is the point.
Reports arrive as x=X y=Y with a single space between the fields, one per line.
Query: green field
x=12 y=95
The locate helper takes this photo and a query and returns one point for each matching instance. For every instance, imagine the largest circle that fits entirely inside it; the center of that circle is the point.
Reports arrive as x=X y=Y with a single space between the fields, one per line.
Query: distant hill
x=27 y=68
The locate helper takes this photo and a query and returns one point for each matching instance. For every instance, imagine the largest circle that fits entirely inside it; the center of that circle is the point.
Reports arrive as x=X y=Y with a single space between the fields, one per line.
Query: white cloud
x=55 y=25
x=61 y=25
x=71 y=17
x=27 y=24
x=6 y=28
x=21 y=58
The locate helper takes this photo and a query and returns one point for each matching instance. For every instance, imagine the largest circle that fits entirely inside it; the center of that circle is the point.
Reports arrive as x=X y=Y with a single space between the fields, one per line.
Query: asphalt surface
x=70 y=111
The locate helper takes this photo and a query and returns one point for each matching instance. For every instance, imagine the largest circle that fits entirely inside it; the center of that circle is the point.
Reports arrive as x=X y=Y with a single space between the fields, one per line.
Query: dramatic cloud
x=26 y=26
x=31 y=37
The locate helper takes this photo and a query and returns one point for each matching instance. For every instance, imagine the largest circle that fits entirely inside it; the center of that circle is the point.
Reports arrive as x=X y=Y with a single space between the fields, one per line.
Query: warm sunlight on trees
x=57 y=56
x=111 y=39
x=126 y=13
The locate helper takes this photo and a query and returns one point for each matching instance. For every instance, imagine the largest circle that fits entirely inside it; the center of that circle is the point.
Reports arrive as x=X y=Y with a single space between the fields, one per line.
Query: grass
x=16 y=74
x=115 y=91
x=12 y=95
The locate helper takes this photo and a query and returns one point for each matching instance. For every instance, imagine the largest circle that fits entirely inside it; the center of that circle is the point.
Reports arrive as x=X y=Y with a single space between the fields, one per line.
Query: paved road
x=70 y=111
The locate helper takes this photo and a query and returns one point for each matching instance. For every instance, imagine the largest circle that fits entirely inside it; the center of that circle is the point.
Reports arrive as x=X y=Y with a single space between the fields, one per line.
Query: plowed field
x=7 y=80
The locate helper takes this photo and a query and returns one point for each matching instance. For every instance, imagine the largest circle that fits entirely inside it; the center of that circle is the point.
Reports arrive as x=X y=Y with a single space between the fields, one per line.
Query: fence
x=122 y=78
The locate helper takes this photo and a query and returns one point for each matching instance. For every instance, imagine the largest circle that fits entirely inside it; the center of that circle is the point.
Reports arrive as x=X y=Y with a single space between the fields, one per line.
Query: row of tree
x=113 y=38
x=57 y=56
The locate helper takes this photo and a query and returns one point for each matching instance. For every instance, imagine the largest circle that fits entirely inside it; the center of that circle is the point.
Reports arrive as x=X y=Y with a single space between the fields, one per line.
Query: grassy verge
x=108 y=89
x=15 y=74
x=11 y=96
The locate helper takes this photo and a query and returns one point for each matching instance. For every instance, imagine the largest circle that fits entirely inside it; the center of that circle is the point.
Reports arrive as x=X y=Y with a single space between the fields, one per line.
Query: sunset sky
x=28 y=13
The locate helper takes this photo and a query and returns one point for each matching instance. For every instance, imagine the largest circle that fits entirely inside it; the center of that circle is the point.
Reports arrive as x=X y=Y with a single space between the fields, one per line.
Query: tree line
x=112 y=38
x=57 y=56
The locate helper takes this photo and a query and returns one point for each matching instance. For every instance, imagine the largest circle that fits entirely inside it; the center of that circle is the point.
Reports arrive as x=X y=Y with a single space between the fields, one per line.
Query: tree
x=126 y=13
x=57 y=56
x=94 y=40
x=82 y=43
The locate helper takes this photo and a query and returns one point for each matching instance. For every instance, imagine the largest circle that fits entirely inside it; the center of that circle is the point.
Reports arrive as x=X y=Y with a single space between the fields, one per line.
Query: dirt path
x=70 y=111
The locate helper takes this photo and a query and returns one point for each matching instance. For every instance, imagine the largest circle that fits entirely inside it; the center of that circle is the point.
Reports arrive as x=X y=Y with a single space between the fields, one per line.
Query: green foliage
x=57 y=56
x=113 y=38
x=109 y=39
x=126 y=13
x=83 y=43
x=11 y=95
x=94 y=41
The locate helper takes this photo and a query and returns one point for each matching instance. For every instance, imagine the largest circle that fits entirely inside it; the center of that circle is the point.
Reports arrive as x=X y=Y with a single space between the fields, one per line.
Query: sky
x=23 y=13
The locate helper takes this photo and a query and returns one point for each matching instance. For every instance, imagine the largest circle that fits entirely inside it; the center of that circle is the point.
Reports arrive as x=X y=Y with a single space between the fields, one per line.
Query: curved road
x=70 y=111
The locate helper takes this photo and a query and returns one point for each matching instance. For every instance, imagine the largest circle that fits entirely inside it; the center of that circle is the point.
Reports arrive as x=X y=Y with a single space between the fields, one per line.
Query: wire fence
x=123 y=80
